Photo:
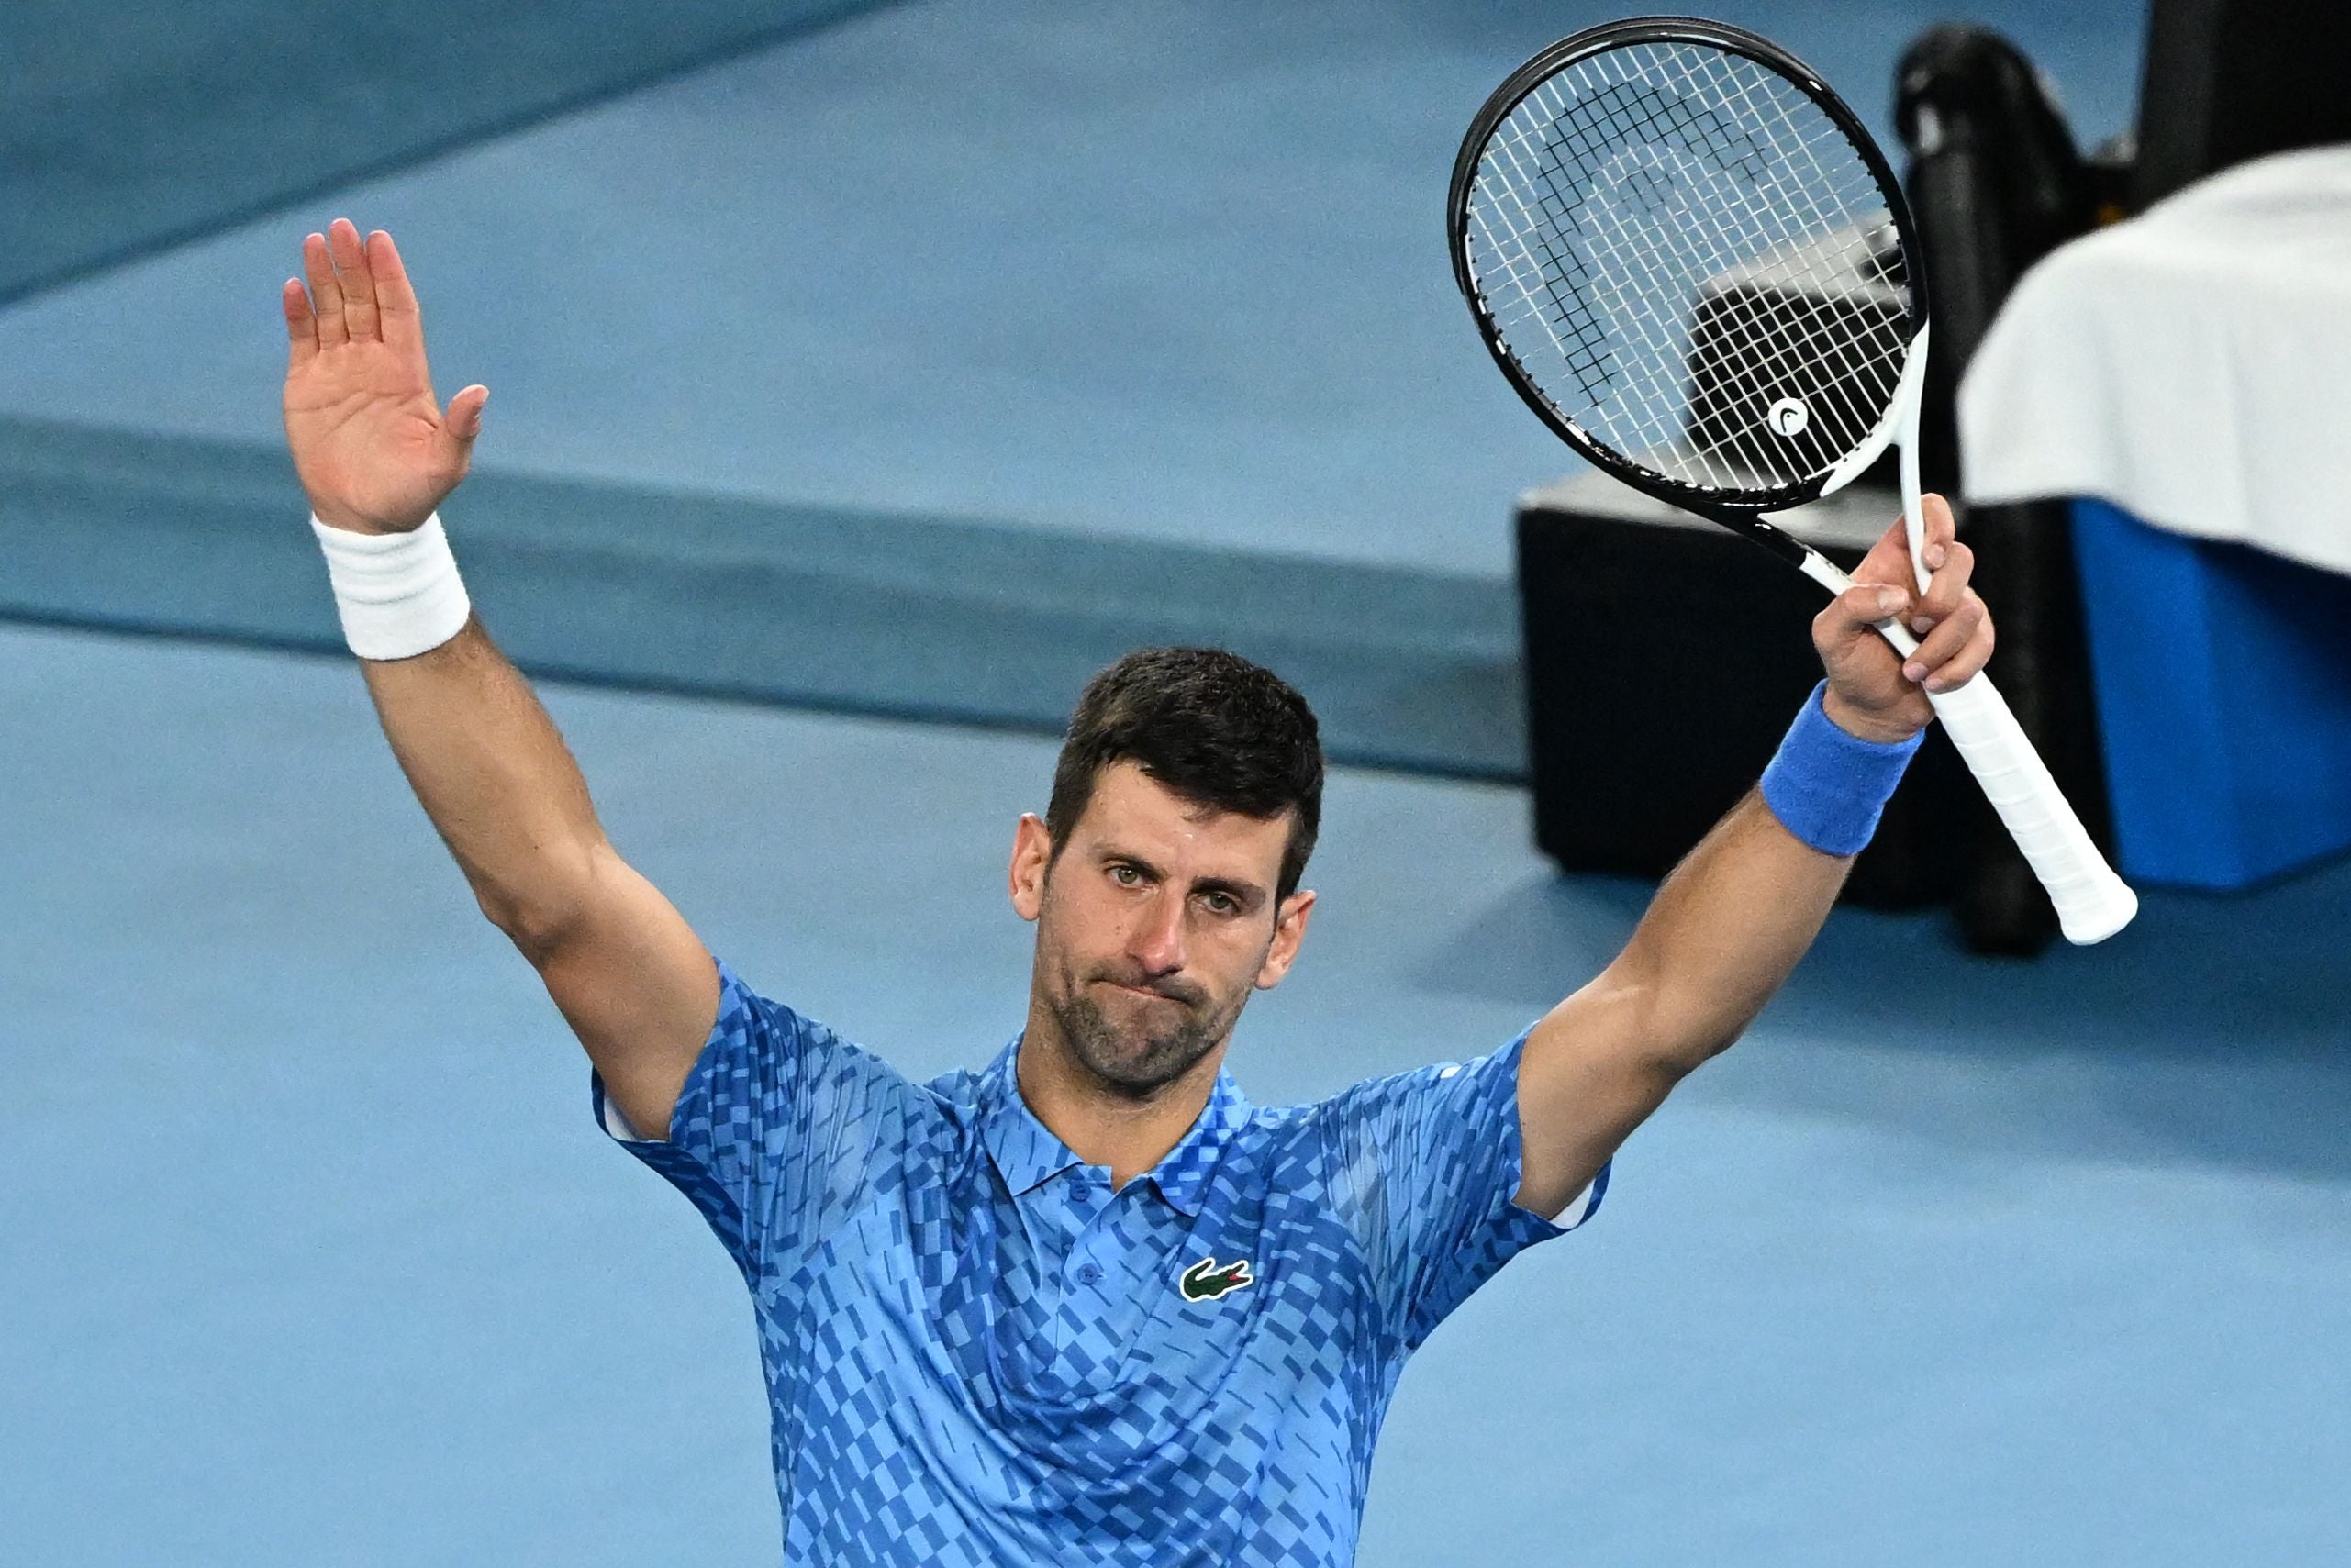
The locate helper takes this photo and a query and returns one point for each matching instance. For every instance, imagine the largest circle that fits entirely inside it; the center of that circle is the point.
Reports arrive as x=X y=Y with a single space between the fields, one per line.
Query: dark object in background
x=1995 y=184
x=2229 y=80
x=1644 y=729
x=1814 y=304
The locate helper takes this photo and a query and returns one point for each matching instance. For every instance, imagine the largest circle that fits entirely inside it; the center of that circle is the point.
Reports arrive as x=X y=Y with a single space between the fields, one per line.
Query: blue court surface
x=974 y=316
x=316 y=1256
x=915 y=360
x=1164 y=272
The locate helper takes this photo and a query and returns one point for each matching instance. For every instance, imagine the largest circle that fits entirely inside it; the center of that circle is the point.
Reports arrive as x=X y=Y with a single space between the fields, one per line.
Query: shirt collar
x=1028 y=1154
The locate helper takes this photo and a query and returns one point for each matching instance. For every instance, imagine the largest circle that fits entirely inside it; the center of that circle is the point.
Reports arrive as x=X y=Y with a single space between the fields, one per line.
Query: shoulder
x=957 y=1094
x=1296 y=1151
x=797 y=1056
x=1432 y=1087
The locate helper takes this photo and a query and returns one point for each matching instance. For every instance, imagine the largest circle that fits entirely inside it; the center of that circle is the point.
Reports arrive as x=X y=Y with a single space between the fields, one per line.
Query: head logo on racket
x=1789 y=416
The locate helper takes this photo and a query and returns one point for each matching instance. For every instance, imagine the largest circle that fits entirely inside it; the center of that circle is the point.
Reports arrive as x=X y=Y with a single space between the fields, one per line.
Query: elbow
x=1686 y=1032
x=1707 y=1047
x=539 y=919
x=534 y=934
x=1683 y=1033
x=1671 y=1061
x=1655 y=1037
x=1689 y=1043
x=538 y=931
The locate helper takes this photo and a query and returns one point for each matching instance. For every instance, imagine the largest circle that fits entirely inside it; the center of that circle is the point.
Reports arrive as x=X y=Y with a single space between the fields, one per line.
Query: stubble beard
x=1130 y=1059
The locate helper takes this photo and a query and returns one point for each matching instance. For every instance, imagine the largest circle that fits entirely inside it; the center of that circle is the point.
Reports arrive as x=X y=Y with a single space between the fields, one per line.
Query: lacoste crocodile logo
x=1204 y=1280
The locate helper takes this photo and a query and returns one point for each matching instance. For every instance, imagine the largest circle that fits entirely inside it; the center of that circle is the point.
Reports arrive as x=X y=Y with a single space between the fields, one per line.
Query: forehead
x=1134 y=811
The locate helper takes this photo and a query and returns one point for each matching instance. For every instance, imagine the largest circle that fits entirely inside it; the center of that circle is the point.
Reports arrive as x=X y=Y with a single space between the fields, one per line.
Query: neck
x=1102 y=1124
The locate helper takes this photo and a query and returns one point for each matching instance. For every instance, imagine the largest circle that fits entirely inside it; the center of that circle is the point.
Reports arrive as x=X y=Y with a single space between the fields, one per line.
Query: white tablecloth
x=2192 y=365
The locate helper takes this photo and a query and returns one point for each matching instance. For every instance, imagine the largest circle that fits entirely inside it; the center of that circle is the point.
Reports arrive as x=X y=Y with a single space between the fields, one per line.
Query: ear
x=1032 y=851
x=1290 y=930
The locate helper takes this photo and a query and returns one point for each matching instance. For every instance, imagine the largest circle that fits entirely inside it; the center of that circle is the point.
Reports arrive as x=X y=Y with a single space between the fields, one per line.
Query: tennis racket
x=1693 y=262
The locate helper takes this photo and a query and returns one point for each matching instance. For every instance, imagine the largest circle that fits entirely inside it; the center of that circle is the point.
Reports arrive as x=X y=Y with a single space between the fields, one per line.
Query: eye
x=1126 y=876
x=1224 y=904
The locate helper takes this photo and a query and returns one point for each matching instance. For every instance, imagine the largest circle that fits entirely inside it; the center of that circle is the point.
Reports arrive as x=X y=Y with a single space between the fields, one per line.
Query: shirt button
x=1088 y=1273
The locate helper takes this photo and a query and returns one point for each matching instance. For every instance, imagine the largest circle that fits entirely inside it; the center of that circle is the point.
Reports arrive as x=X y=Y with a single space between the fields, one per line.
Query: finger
x=1944 y=644
x=1856 y=613
x=1966 y=664
x=395 y=299
x=1888 y=560
x=301 y=327
x=1947 y=589
x=1933 y=531
x=1939 y=526
x=358 y=283
x=326 y=294
x=463 y=419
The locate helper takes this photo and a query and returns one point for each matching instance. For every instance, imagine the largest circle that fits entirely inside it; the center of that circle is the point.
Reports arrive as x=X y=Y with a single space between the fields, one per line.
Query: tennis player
x=1086 y=1303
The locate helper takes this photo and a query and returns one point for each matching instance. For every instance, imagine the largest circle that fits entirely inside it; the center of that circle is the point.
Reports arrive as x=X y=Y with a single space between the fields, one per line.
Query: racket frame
x=2093 y=903
x=1743 y=511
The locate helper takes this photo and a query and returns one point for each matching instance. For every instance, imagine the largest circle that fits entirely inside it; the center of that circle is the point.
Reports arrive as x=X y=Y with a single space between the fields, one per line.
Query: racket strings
x=1747 y=330
x=1687 y=256
x=1677 y=123
x=1754 y=337
x=1545 y=152
x=1818 y=331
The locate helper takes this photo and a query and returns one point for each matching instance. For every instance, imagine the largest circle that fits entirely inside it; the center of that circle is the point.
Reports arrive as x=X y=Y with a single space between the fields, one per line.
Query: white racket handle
x=2093 y=903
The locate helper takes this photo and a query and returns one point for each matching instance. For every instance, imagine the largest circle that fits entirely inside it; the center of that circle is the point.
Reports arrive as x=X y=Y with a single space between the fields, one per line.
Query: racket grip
x=2093 y=903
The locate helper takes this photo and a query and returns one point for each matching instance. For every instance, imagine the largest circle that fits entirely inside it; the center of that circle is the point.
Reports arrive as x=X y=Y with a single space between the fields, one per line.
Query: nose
x=1156 y=940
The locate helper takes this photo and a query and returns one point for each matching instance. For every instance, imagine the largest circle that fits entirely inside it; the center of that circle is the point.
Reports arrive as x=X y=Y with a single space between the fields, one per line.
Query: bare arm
x=490 y=768
x=377 y=455
x=1728 y=924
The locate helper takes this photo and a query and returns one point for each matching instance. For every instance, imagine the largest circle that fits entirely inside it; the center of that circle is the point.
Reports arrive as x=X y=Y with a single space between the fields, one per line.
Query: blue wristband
x=1827 y=787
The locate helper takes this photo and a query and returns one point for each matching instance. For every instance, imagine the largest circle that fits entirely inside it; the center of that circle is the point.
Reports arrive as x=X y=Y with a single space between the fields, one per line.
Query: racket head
x=1646 y=219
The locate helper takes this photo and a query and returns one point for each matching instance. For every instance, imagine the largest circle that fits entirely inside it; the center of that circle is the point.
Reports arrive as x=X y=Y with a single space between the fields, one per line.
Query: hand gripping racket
x=1693 y=262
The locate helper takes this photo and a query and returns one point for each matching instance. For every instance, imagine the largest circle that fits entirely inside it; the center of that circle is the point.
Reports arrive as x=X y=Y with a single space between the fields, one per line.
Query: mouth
x=1139 y=991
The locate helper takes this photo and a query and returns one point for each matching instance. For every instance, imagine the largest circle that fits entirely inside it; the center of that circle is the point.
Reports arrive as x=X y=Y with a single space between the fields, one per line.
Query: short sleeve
x=1424 y=1166
x=780 y=1130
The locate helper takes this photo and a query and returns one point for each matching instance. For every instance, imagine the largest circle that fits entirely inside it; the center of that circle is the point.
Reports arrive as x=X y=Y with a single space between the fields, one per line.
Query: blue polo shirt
x=978 y=1352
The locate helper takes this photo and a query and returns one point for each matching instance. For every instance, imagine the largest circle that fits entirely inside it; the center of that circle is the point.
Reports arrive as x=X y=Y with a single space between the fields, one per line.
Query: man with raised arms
x=1084 y=1304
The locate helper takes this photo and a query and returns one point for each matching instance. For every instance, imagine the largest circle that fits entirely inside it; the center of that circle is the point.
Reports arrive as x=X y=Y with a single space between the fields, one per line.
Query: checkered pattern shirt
x=978 y=1352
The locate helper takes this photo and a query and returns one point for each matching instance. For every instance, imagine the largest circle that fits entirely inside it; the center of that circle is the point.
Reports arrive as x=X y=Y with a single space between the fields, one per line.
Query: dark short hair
x=1211 y=726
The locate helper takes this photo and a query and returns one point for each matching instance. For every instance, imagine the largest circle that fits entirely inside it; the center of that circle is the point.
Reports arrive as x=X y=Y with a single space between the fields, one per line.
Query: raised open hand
x=374 y=450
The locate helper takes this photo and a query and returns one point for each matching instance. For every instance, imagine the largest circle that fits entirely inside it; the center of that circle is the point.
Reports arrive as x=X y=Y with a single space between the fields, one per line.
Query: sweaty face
x=1155 y=923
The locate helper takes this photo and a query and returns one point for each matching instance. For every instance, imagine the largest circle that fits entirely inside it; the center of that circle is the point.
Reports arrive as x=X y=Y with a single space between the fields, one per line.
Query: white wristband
x=398 y=595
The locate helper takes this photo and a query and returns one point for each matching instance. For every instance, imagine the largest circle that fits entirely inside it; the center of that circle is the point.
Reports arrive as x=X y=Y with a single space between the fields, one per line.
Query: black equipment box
x=2230 y=80
x=1665 y=658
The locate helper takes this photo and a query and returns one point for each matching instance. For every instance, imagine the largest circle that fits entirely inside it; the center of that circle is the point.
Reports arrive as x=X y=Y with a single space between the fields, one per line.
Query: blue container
x=2224 y=682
